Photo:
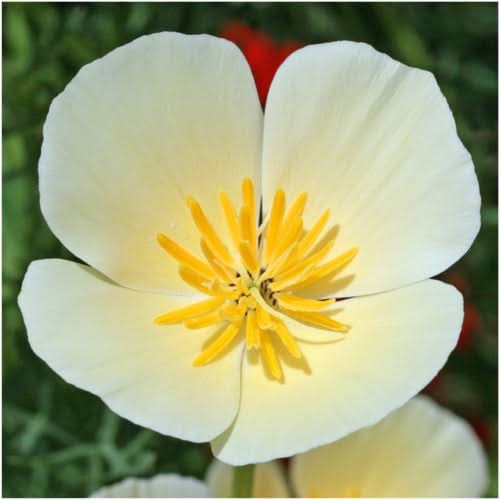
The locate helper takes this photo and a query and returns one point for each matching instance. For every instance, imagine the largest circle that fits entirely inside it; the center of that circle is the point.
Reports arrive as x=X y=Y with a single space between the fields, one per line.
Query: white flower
x=420 y=450
x=269 y=482
x=169 y=118
x=160 y=486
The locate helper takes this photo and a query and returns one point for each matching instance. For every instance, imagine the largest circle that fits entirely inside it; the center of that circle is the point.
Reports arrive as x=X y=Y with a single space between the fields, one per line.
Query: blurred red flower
x=482 y=429
x=264 y=55
x=471 y=324
x=472 y=317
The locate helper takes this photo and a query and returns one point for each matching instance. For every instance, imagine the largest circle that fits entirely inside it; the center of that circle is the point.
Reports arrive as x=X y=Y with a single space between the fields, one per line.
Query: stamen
x=263 y=318
x=248 y=257
x=220 y=269
x=248 y=231
x=273 y=259
x=218 y=345
x=223 y=289
x=287 y=338
x=336 y=263
x=294 y=303
x=253 y=331
x=233 y=312
x=318 y=319
x=269 y=356
x=208 y=232
x=315 y=275
x=180 y=315
x=249 y=201
x=296 y=209
x=311 y=236
x=209 y=319
x=231 y=218
x=184 y=257
x=249 y=302
x=195 y=280
x=296 y=269
x=291 y=234
x=279 y=264
x=277 y=212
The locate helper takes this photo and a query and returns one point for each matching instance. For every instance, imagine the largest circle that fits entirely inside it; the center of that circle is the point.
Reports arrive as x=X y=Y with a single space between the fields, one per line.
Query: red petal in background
x=263 y=54
x=472 y=323
x=482 y=429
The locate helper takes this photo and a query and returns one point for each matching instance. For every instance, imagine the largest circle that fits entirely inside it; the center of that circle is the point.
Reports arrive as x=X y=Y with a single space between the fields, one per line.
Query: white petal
x=397 y=343
x=269 y=480
x=374 y=141
x=132 y=136
x=161 y=486
x=101 y=337
x=420 y=450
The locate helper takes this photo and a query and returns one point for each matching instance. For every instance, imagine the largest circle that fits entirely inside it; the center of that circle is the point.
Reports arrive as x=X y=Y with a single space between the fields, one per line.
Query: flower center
x=251 y=287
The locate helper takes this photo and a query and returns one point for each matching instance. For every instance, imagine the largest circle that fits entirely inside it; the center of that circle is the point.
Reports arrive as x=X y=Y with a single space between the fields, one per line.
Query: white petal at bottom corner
x=101 y=338
x=420 y=450
x=269 y=480
x=160 y=486
x=397 y=343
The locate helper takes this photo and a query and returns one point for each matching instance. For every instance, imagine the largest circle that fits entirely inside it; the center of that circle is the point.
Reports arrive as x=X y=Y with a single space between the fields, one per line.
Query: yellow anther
x=269 y=356
x=318 y=319
x=278 y=264
x=248 y=257
x=248 y=230
x=223 y=289
x=315 y=274
x=249 y=201
x=242 y=286
x=253 y=331
x=208 y=232
x=233 y=312
x=336 y=263
x=195 y=280
x=263 y=318
x=219 y=268
x=218 y=345
x=286 y=261
x=296 y=209
x=291 y=227
x=311 y=236
x=231 y=218
x=289 y=236
x=294 y=303
x=204 y=321
x=184 y=257
x=296 y=270
x=277 y=212
x=191 y=311
x=287 y=338
x=248 y=302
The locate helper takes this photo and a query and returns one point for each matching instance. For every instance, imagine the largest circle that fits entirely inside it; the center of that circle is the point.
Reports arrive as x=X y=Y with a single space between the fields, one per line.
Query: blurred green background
x=60 y=441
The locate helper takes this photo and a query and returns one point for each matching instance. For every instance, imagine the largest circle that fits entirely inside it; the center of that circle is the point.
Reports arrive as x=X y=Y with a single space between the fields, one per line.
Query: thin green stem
x=243 y=481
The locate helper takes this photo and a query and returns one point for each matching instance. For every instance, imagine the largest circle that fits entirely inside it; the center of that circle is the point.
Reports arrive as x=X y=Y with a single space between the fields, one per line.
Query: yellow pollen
x=248 y=285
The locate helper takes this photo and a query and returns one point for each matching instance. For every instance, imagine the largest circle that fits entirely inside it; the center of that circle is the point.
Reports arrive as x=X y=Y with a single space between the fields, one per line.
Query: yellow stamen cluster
x=251 y=284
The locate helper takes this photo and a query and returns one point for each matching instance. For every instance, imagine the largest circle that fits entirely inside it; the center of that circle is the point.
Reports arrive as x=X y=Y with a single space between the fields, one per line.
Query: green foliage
x=60 y=441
